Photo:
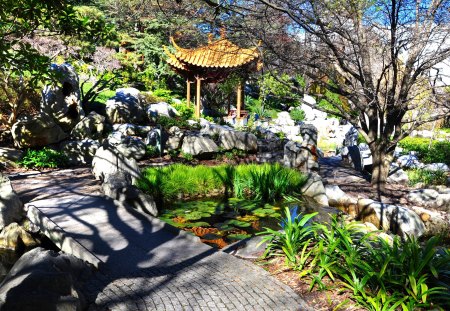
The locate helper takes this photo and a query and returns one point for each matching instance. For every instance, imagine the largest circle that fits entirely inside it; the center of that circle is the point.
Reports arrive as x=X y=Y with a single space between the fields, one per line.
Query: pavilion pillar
x=239 y=100
x=188 y=92
x=197 y=99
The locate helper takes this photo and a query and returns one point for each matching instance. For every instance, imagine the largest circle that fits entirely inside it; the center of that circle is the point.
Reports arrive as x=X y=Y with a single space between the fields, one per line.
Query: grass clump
x=42 y=158
x=427 y=177
x=381 y=275
x=261 y=182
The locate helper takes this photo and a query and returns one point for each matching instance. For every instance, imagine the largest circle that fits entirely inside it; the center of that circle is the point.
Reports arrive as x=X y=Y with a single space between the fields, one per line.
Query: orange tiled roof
x=219 y=53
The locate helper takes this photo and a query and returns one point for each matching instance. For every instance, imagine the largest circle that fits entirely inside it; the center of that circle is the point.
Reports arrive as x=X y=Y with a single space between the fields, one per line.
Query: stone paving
x=146 y=264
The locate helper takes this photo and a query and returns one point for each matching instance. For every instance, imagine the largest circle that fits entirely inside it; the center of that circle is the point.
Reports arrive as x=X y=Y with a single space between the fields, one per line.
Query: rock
x=175 y=138
x=214 y=130
x=409 y=161
x=284 y=118
x=36 y=131
x=62 y=101
x=91 y=126
x=337 y=197
x=14 y=236
x=309 y=134
x=80 y=152
x=154 y=139
x=129 y=146
x=436 y=167
x=11 y=208
x=125 y=107
x=430 y=198
x=108 y=161
x=10 y=154
x=129 y=92
x=128 y=129
x=397 y=175
x=251 y=248
x=44 y=280
x=238 y=140
x=299 y=156
x=119 y=187
x=395 y=218
x=161 y=109
x=314 y=189
x=436 y=222
x=197 y=145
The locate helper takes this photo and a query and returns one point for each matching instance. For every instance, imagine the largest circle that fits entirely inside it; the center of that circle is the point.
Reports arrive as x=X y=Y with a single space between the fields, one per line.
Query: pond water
x=222 y=221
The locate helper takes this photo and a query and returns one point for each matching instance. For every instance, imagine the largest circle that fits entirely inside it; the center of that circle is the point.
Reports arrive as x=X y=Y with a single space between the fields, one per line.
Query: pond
x=222 y=221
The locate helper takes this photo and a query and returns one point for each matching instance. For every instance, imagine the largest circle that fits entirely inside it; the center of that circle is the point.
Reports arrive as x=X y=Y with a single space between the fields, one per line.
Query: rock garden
x=327 y=167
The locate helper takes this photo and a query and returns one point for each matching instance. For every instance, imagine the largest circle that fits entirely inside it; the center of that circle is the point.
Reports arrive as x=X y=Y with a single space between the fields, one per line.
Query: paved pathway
x=144 y=265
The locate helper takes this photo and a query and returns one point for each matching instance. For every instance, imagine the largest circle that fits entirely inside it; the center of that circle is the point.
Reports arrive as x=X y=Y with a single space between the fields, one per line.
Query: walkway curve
x=146 y=265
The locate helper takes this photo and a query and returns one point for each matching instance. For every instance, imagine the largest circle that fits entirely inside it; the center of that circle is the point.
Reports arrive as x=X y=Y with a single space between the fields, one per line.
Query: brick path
x=145 y=264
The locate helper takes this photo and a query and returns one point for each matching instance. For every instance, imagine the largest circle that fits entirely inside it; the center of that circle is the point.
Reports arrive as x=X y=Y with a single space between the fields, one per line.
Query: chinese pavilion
x=212 y=63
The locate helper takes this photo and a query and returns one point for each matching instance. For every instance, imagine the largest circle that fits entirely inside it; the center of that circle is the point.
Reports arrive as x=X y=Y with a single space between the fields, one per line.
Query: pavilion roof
x=219 y=53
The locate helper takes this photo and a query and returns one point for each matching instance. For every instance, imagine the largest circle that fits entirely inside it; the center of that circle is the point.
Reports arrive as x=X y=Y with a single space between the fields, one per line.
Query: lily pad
x=263 y=212
x=223 y=226
x=238 y=236
x=238 y=223
x=211 y=236
x=196 y=224
x=195 y=215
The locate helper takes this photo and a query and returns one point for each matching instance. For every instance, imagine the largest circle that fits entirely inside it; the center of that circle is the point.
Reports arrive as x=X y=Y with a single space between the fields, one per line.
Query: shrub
x=297 y=114
x=428 y=177
x=167 y=122
x=186 y=112
x=45 y=157
x=151 y=151
x=187 y=156
x=439 y=151
x=379 y=274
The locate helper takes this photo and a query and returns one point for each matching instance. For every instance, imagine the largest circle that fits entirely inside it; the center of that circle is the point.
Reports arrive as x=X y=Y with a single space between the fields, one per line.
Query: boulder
x=129 y=146
x=161 y=109
x=11 y=208
x=119 y=187
x=314 y=189
x=44 y=280
x=36 y=131
x=175 y=138
x=395 y=218
x=351 y=137
x=301 y=157
x=62 y=101
x=108 y=161
x=213 y=130
x=397 y=175
x=14 y=236
x=10 y=154
x=80 y=152
x=238 y=140
x=91 y=126
x=154 y=139
x=129 y=129
x=283 y=119
x=125 y=107
x=309 y=134
x=436 y=222
x=436 y=167
x=430 y=198
x=199 y=145
x=409 y=161
x=337 y=197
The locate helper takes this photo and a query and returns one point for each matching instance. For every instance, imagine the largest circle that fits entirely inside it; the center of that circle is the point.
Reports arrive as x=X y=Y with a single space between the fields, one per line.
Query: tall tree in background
x=383 y=57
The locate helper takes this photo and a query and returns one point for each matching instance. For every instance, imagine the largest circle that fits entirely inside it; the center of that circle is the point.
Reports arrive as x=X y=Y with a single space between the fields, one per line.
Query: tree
x=381 y=56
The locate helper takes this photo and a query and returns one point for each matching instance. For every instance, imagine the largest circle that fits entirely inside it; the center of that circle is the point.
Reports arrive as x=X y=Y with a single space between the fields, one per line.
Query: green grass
x=380 y=275
x=261 y=182
x=103 y=96
x=427 y=177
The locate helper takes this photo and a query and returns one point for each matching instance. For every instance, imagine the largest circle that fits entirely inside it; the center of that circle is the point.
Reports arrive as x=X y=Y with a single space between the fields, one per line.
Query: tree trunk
x=381 y=163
